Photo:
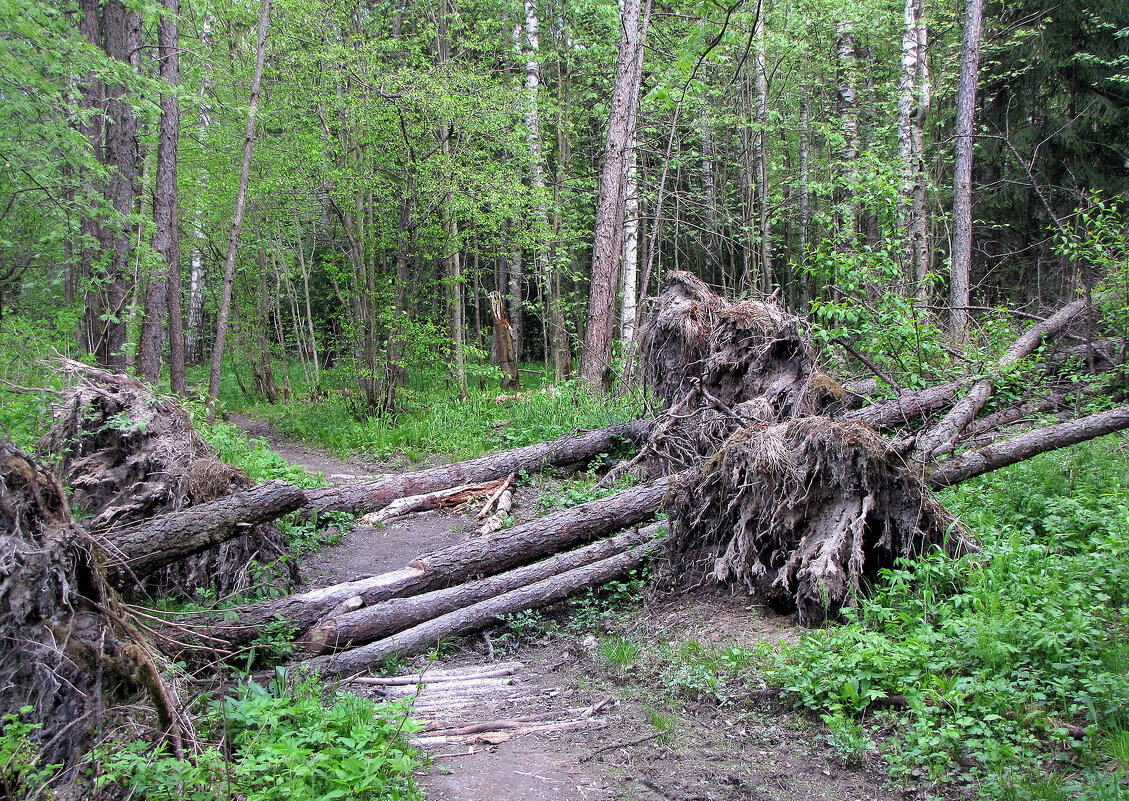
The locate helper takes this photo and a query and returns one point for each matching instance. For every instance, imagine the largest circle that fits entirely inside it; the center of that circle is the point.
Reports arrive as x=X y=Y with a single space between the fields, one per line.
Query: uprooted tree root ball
x=63 y=648
x=130 y=455
x=803 y=514
x=720 y=365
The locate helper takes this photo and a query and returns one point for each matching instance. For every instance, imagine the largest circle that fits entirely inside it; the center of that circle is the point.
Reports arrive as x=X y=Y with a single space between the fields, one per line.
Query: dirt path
x=652 y=736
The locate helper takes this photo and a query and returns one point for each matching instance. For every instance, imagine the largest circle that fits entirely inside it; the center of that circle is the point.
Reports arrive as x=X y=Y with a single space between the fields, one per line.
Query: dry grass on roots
x=129 y=455
x=803 y=514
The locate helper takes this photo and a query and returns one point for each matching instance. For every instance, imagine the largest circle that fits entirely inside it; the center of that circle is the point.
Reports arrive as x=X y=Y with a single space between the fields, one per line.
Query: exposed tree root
x=803 y=514
x=129 y=456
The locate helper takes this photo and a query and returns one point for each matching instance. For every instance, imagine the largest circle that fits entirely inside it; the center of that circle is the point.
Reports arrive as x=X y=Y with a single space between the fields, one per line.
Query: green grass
x=996 y=654
x=432 y=420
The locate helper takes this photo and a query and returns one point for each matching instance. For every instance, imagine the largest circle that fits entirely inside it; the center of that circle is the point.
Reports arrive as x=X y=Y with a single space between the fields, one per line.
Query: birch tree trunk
x=907 y=83
x=240 y=209
x=961 y=259
x=630 y=247
x=194 y=332
x=920 y=231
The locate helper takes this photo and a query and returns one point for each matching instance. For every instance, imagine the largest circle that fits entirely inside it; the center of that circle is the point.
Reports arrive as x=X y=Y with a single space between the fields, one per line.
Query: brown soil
x=748 y=748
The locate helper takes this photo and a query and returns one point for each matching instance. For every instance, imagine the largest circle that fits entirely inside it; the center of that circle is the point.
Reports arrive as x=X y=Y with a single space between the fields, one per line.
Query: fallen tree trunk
x=149 y=546
x=367 y=496
x=364 y=625
x=1024 y=446
x=506 y=549
x=481 y=614
x=949 y=429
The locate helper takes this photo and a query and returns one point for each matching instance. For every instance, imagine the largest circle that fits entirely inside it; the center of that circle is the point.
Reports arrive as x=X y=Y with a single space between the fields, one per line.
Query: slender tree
x=240 y=209
x=163 y=294
x=961 y=256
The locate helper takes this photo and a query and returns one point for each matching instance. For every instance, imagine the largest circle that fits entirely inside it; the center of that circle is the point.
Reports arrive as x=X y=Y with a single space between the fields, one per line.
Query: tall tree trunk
x=536 y=156
x=240 y=209
x=195 y=332
x=805 y=203
x=607 y=241
x=907 y=82
x=453 y=261
x=848 y=124
x=122 y=32
x=630 y=246
x=764 y=220
x=164 y=290
x=90 y=27
x=919 y=226
x=961 y=259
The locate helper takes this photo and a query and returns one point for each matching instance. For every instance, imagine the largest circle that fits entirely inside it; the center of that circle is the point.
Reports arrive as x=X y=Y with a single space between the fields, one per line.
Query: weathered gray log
x=481 y=614
x=1024 y=446
x=501 y=551
x=364 y=625
x=948 y=430
x=147 y=547
x=907 y=408
x=366 y=496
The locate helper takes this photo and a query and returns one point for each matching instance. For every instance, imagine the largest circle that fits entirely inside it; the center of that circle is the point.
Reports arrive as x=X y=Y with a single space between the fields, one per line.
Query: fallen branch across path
x=147 y=547
x=479 y=615
x=366 y=496
x=455 y=496
x=370 y=623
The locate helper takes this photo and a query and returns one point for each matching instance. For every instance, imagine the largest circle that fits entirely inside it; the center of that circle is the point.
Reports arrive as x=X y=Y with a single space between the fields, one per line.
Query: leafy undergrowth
x=982 y=671
x=286 y=742
x=432 y=420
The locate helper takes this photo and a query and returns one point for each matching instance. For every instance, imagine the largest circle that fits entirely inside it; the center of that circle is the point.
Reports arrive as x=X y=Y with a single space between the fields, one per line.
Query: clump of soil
x=802 y=514
x=130 y=455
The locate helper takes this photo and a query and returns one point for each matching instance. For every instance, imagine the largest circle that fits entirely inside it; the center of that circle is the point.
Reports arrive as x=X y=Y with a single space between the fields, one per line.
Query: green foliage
x=22 y=777
x=433 y=420
x=620 y=653
x=286 y=743
x=712 y=672
x=847 y=737
x=252 y=455
x=993 y=654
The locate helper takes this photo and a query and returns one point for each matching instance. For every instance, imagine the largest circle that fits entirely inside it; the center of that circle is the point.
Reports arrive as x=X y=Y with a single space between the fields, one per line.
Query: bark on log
x=383 y=619
x=448 y=566
x=367 y=496
x=160 y=541
x=949 y=429
x=906 y=408
x=1024 y=446
x=480 y=614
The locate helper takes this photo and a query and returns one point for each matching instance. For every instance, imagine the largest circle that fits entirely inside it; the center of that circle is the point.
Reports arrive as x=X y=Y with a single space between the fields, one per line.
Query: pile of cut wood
x=776 y=478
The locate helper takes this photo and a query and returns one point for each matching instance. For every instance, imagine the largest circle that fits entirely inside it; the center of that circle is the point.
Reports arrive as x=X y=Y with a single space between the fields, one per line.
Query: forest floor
x=649 y=739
